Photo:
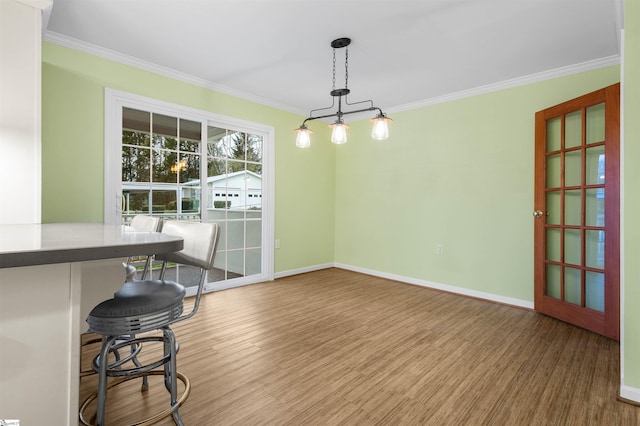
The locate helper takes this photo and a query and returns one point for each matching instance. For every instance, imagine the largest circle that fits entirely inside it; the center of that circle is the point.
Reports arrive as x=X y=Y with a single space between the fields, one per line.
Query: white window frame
x=116 y=100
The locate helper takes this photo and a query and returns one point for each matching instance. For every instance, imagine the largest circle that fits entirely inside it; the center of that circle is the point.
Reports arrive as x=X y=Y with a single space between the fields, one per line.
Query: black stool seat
x=137 y=307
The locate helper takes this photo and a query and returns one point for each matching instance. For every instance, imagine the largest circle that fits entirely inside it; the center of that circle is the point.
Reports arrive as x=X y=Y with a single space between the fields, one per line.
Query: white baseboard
x=303 y=270
x=444 y=287
x=630 y=393
x=408 y=280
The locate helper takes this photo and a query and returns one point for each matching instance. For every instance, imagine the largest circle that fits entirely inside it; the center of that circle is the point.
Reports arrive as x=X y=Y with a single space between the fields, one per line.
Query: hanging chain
x=334 y=68
x=346 y=68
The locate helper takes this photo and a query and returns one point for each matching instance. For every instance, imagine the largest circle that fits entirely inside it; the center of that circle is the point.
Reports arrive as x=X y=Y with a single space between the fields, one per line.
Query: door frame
x=115 y=100
x=607 y=323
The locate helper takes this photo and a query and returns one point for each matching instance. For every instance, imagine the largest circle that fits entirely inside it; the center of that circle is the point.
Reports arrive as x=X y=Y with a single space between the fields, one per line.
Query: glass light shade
x=339 y=133
x=303 y=140
x=380 y=130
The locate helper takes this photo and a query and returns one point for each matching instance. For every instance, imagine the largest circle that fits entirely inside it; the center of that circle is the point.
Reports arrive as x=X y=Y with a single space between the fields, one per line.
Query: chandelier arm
x=361 y=110
x=333 y=103
x=342 y=113
x=346 y=101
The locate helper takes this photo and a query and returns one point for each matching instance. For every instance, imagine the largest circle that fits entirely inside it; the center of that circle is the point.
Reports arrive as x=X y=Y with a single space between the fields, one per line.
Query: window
x=180 y=163
x=160 y=166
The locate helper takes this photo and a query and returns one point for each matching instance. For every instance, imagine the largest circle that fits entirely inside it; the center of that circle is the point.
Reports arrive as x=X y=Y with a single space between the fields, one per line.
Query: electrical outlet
x=277 y=242
x=440 y=249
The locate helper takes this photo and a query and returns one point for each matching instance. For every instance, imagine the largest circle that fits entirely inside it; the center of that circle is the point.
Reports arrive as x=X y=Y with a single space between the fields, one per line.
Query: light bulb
x=339 y=133
x=303 y=140
x=380 y=130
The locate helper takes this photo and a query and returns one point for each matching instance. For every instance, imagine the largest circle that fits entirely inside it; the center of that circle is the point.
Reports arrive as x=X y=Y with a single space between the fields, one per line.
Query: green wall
x=460 y=174
x=73 y=86
x=631 y=197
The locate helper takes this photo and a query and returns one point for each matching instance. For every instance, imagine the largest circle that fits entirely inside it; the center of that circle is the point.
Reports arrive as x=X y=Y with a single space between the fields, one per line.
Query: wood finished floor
x=337 y=347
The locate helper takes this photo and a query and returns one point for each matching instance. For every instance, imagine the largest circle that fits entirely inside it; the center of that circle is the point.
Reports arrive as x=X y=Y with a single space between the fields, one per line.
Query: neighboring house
x=237 y=191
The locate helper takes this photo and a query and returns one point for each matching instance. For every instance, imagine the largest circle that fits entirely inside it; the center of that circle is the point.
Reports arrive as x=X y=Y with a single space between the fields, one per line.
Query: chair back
x=200 y=244
x=146 y=223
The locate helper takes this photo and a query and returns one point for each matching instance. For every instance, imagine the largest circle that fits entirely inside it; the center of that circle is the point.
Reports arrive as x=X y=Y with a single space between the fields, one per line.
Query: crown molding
x=511 y=83
x=92 y=49
x=72 y=43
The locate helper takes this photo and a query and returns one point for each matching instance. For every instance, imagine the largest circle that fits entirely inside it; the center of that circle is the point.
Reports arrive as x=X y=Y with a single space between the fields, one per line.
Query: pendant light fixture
x=380 y=123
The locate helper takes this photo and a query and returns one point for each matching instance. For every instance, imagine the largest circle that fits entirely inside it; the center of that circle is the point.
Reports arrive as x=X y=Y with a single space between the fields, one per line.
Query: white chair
x=146 y=305
x=142 y=223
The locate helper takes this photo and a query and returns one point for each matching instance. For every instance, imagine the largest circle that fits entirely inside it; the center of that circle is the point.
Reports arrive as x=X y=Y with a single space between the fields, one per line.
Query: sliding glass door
x=183 y=164
x=234 y=194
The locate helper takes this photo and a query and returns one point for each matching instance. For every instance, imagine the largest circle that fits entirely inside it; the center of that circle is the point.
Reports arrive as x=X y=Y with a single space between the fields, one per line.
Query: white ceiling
x=403 y=53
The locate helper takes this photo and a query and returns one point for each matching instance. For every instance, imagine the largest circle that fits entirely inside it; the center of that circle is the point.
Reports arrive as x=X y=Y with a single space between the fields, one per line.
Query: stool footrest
x=151 y=420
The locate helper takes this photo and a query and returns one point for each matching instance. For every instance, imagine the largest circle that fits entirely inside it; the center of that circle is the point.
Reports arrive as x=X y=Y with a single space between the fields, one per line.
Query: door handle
x=538 y=213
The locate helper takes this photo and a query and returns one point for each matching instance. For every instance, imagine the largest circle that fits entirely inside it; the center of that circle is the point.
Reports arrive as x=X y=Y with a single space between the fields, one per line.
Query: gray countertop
x=40 y=244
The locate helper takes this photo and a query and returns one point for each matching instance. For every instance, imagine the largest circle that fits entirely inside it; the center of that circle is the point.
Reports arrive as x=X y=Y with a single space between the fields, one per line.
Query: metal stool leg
x=102 y=379
x=171 y=373
x=134 y=359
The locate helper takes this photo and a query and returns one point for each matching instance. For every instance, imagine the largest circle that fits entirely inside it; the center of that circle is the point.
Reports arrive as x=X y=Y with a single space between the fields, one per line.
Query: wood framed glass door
x=577 y=211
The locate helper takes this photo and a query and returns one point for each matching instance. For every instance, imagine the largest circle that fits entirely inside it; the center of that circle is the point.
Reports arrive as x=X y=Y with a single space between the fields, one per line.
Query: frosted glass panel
x=553 y=134
x=594 y=206
x=572 y=207
x=573 y=168
x=235 y=235
x=553 y=244
x=572 y=246
x=553 y=281
x=595 y=123
x=573 y=129
x=594 y=291
x=553 y=207
x=553 y=171
x=594 y=249
x=254 y=233
x=253 y=261
x=595 y=165
x=572 y=286
x=235 y=262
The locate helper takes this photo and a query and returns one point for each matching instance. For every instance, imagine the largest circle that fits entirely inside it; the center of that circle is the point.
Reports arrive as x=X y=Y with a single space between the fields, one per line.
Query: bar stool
x=141 y=223
x=147 y=305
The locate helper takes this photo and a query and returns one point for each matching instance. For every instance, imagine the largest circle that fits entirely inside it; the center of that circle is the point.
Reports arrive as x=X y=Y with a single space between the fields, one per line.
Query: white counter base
x=39 y=375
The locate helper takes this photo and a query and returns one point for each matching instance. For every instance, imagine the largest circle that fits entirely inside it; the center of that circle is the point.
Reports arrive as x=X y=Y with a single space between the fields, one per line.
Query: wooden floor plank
x=339 y=347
